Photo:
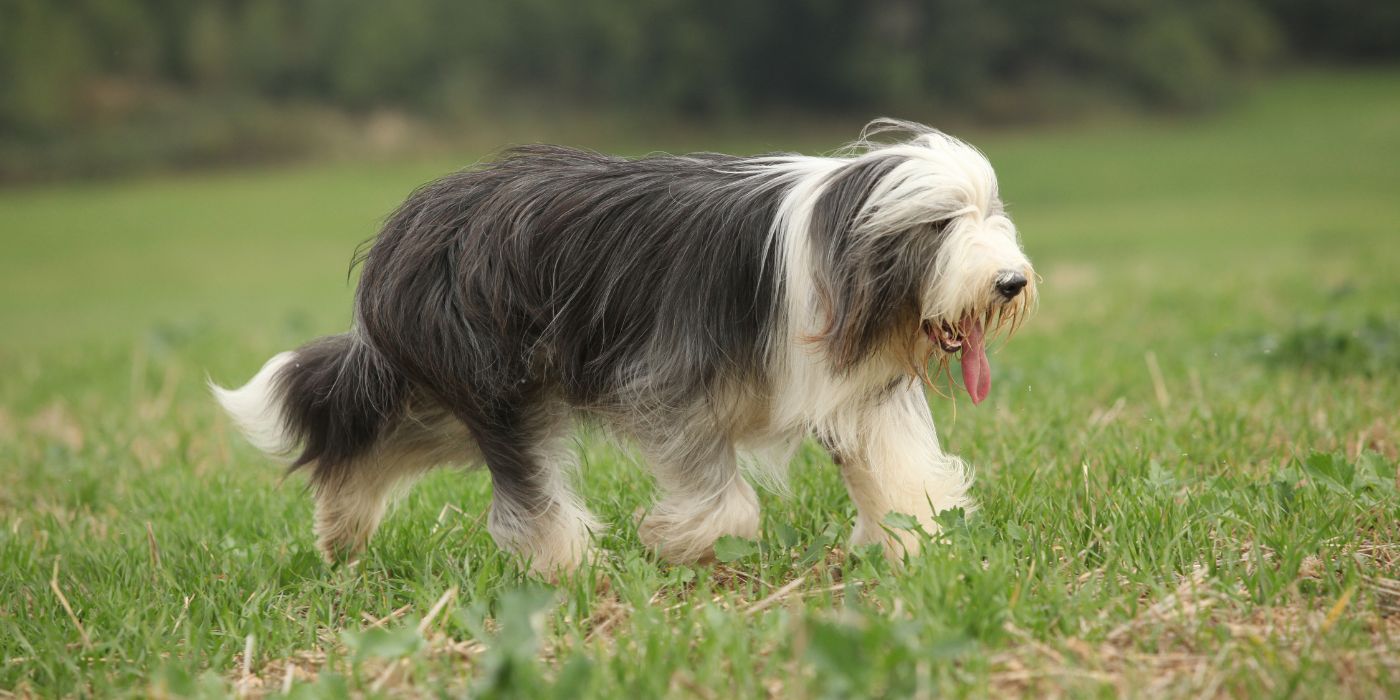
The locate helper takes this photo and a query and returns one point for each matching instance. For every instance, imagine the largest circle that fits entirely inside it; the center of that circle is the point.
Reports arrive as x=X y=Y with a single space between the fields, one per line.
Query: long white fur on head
x=939 y=180
x=944 y=181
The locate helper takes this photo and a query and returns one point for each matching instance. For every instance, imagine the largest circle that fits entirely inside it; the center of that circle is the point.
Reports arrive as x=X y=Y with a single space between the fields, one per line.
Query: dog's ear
x=869 y=280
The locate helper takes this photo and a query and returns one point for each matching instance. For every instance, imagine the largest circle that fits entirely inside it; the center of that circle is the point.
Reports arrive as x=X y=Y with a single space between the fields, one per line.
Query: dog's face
x=982 y=284
x=920 y=261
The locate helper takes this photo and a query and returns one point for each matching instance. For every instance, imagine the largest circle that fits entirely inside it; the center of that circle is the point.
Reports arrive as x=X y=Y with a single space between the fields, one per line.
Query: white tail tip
x=257 y=410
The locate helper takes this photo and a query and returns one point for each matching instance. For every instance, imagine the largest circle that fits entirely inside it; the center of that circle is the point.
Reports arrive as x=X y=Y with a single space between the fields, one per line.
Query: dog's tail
x=332 y=399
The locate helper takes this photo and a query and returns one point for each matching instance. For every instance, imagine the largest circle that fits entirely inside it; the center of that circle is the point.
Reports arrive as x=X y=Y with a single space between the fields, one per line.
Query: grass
x=1184 y=492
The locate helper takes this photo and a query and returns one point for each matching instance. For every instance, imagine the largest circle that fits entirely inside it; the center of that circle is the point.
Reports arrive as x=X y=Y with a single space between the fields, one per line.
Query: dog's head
x=915 y=256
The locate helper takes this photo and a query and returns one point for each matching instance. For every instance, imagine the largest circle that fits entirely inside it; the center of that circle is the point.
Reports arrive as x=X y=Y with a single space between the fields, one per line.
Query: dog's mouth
x=967 y=339
x=945 y=336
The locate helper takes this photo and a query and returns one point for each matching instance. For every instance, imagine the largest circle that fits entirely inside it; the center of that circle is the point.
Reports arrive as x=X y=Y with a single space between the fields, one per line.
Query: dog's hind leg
x=349 y=507
x=534 y=511
x=352 y=500
x=703 y=498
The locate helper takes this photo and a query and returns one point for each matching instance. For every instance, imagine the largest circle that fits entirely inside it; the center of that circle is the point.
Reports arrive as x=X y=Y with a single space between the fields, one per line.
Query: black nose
x=1010 y=283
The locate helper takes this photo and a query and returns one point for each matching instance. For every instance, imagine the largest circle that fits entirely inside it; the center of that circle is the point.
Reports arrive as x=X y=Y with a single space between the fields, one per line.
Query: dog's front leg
x=703 y=497
x=891 y=462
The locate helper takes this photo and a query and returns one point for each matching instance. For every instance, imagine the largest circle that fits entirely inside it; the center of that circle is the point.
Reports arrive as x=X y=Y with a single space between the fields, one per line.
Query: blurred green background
x=102 y=87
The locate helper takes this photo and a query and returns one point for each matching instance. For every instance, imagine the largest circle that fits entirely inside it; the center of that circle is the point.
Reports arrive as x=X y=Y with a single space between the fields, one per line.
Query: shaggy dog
x=713 y=310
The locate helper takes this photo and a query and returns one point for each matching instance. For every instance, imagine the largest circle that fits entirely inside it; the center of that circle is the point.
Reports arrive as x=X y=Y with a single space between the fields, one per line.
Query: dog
x=712 y=310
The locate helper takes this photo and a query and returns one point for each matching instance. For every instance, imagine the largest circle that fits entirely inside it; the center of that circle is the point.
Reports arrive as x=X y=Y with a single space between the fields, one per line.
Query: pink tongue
x=977 y=372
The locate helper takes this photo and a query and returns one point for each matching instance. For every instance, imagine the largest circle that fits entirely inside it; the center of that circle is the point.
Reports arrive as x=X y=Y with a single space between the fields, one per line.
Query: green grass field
x=1187 y=466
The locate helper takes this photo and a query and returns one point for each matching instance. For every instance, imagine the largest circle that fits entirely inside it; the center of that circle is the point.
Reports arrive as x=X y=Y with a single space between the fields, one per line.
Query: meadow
x=1186 y=467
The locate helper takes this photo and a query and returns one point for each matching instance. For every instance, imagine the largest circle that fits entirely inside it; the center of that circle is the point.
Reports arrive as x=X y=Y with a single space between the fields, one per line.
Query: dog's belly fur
x=700 y=307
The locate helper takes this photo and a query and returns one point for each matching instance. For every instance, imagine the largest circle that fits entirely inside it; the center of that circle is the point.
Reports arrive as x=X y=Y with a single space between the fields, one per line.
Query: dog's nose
x=1010 y=283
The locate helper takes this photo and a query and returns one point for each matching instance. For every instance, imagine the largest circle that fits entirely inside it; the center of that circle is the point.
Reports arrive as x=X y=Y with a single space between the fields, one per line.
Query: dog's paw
x=897 y=542
x=558 y=565
x=689 y=538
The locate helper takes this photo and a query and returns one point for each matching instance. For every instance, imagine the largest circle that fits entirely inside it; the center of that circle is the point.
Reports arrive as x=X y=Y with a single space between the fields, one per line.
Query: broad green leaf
x=730 y=548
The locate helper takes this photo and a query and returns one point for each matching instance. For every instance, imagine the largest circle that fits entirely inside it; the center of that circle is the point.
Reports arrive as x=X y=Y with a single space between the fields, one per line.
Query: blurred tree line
x=70 y=65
